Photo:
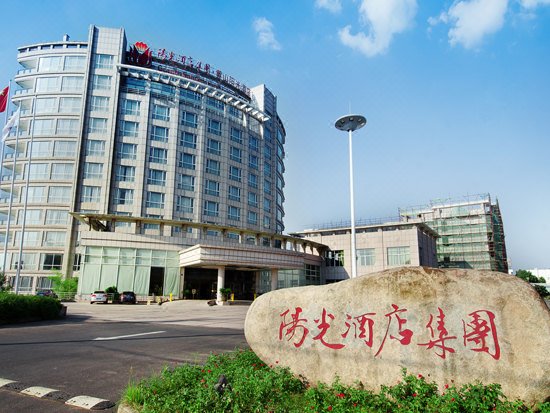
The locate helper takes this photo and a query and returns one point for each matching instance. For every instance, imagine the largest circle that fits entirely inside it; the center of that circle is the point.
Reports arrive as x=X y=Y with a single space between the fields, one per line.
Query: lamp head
x=350 y=122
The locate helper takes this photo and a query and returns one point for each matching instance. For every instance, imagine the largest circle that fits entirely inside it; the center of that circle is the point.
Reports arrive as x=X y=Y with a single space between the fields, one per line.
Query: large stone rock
x=460 y=325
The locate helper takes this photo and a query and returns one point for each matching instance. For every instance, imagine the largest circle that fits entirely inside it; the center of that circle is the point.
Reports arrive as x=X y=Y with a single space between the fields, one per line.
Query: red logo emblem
x=140 y=54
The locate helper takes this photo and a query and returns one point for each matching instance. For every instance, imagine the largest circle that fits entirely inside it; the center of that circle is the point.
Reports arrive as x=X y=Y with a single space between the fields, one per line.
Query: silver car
x=99 y=297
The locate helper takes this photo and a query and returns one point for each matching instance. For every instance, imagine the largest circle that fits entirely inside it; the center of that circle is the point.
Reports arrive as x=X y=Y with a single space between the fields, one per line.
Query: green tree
x=3 y=285
x=530 y=278
x=64 y=287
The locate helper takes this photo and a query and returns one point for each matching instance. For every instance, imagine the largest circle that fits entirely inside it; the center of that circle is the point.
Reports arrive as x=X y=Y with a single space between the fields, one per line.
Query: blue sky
x=456 y=94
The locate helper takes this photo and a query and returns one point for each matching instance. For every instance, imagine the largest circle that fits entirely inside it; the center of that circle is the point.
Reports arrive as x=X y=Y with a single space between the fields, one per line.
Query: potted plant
x=225 y=293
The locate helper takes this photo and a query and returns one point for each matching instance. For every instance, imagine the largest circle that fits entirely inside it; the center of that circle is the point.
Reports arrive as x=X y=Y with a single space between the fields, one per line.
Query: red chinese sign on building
x=479 y=331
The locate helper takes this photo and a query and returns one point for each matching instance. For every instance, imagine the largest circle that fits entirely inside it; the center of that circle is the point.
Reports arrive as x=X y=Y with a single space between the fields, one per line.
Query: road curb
x=82 y=401
x=125 y=408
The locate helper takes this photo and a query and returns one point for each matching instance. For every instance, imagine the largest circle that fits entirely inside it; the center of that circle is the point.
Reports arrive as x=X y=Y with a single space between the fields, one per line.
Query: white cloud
x=385 y=18
x=472 y=20
x=334 y=6
x=266 y=37
x=532 y=4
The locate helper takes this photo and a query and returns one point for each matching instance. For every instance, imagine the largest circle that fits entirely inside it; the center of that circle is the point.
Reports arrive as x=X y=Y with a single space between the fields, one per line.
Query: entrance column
x=274 y=278
x=221 y=283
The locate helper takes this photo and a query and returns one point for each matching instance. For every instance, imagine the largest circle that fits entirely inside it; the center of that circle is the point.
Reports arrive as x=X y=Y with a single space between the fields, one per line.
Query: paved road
x=98 y=349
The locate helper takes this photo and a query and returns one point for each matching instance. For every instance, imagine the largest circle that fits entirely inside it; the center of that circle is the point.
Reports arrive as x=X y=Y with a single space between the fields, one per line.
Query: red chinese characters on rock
x=443 y=335
x=480 y=331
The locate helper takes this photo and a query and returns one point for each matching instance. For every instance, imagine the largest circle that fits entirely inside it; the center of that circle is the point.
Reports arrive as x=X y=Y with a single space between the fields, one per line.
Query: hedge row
x=15 y=308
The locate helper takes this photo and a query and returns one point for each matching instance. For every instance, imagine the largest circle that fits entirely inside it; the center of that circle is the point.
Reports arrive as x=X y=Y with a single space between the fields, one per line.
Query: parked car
x=46 y=293
x=99 y=297
x=127 y=297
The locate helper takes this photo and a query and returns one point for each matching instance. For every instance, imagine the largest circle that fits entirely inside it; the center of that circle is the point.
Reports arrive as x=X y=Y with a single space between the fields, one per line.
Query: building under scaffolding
x=471 y=234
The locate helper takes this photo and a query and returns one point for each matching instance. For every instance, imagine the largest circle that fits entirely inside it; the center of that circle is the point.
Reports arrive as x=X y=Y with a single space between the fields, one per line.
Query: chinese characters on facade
x=477 y=332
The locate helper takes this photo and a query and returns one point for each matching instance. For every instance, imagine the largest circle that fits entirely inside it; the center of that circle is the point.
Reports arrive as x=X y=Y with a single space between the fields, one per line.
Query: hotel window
x=252 y=218
x=214 y=127
x=155 y=200
x=130 y=129
x=33 y=217
x=184 y=204
x=31 y=239
x=38 y=171
x=399 y=256
x=253 y=161
x=99 y=103
x=161 y=112
x=189 y=119
x=267 y=134
x=267 y=205
x=50 y=64
x=267 y=169
x=267 y=151
x=124 y=196
x=41 y=149
x=72 y=84
x=125 y=173
x=267 y=187
x=234 y=193
x=234 y=173
x=44 y=127
x=215 y=103
x=104 y=61
x=236 y=135
x=253 y=144
x=233 y=213
x=156 y=177
x=95 y=148
x=190 y=95
x=75 y=63
x=211 y=208
x=212 y=188
x=252 y=180
x=366 y=257
x=334 y=258
x=97 y=125
x=51 y=261
x=36 y=194
x=253 y=199
x=233 y=111
x=54 y=239
x=267 y=222
x=214 y=147
x=187 y=161
x=62 y=171
x=188 y=140
x=158 y=155
x=186 y=182
x=130 y=107
x=68 y=127
x=159 y=134
x=93 y=170
x=90 y=194
x=64 y=149
x=236 y=154
x=48 y=84
x=45 y=105
x=56 y=217
x=212 y=167
x=101 y=82
x=69 y=105
x=128 y=151
x=60 y=194
x=280 y=167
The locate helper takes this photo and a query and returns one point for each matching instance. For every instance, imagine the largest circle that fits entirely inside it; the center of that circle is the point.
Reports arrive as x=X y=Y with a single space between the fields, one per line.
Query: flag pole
x=1 y=176
x=28 y=171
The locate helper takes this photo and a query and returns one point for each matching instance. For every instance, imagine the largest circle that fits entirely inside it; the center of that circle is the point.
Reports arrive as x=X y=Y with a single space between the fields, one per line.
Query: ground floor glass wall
x=144 y=271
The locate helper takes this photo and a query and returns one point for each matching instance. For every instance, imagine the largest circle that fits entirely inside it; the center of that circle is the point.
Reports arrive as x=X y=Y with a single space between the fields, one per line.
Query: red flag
x=4 y=99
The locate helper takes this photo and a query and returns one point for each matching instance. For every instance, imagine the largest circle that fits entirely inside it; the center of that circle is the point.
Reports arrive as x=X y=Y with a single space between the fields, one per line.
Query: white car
x=99 y=297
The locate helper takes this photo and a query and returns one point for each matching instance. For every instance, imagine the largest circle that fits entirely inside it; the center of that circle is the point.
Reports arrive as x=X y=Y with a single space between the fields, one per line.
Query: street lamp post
x=351 y=123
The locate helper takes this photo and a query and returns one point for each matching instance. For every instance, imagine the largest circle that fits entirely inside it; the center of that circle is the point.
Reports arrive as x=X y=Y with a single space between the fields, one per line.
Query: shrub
x=255 y=387
x=15 y=308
